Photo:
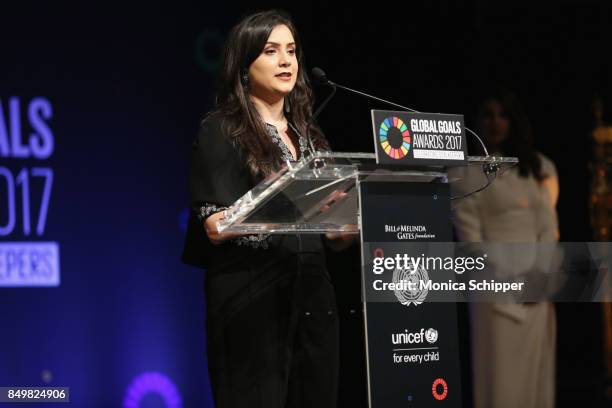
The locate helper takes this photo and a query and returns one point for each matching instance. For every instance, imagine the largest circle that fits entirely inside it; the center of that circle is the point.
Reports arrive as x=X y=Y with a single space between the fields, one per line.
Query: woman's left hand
x=338 y=241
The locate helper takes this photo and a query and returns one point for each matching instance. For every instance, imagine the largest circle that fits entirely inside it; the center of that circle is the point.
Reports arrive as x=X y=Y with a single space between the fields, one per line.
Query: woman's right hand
x=210 y=226
x=334 y=197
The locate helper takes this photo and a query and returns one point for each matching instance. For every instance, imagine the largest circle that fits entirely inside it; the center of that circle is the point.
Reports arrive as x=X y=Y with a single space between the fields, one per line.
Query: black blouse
x=218 y=177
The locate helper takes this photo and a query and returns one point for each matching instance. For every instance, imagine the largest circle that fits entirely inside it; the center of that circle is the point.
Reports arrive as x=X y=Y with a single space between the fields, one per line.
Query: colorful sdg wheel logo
x=394 y=137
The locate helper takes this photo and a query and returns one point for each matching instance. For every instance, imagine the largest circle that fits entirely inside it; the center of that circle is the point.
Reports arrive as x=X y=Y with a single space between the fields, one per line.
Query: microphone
x=320 y=76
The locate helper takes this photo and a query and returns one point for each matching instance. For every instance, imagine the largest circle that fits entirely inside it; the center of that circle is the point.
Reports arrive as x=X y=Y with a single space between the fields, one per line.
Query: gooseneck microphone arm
x=346 y=88
x=320 y=76
x=316 y=115
x=324 y=103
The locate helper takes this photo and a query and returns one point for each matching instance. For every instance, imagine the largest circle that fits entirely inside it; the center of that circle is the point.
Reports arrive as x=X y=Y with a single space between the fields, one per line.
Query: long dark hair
x=519 y=142
x=240 y=120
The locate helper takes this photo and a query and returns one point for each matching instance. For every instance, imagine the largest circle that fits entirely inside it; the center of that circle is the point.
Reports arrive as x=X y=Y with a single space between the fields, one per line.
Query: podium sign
x=412 y=345
x=419 y=139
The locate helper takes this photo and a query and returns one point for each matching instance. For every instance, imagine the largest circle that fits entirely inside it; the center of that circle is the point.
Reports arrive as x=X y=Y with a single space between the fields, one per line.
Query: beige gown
x=513 y=345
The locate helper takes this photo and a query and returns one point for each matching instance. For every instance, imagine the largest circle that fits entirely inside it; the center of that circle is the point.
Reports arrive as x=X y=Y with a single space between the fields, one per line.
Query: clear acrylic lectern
x=412 y=352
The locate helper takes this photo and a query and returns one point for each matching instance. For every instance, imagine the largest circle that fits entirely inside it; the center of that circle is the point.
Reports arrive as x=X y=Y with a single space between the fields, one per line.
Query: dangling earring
x=244 y=78
x=287 y=106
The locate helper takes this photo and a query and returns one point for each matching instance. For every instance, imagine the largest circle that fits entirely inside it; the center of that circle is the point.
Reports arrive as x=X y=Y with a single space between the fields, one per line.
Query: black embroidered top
x=259 y=240
x=218 y=177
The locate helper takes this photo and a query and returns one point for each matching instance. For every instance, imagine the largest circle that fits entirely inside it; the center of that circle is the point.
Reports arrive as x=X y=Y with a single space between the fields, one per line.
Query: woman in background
x=513 y=345
x=272 y=329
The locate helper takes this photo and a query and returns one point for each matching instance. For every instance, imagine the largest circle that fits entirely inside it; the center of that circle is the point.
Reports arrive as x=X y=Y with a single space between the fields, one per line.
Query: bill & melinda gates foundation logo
x=394 y=137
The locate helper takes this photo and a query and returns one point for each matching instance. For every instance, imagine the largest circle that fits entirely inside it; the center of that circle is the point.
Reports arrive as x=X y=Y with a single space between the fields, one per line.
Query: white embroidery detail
x=253 y=241
x=209 y=209
x=273 y=132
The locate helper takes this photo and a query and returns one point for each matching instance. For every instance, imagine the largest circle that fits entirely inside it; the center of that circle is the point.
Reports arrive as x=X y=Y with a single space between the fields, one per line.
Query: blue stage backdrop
x=98 y=109
x=97 y=114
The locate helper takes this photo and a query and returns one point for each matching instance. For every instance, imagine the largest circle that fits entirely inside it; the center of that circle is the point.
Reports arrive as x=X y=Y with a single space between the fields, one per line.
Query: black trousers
x=273 y=334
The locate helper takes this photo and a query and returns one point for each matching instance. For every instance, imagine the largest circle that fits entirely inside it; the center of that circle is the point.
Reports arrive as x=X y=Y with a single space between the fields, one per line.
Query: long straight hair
x=519 y=142
x=240 y=120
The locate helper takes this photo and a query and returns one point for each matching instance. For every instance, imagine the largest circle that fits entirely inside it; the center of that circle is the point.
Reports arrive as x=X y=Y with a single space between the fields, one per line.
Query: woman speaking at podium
x=272 y=330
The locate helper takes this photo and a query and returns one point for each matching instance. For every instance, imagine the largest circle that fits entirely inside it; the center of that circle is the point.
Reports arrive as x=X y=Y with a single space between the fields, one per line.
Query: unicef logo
x=414 y=277
x=431 y=335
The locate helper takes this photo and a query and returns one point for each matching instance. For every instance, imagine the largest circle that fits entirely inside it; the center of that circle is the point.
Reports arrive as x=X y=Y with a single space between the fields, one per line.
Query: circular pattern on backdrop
x=394 y=151
x=435 y=390
x=208 y=51
x=152 y=383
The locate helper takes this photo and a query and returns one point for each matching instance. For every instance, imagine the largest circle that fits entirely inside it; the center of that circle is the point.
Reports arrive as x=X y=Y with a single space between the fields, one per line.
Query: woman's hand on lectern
x=338 y=241
x=210 y=226
x=334 y=197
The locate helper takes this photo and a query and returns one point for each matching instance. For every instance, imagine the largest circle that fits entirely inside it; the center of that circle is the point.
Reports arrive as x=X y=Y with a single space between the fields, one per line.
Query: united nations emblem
x=414 y=276
x=431 y=335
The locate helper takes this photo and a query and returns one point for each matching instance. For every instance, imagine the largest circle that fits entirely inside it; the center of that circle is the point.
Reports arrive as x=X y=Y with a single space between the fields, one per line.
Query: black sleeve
x=217 y=176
